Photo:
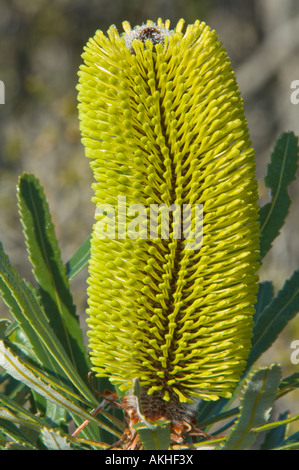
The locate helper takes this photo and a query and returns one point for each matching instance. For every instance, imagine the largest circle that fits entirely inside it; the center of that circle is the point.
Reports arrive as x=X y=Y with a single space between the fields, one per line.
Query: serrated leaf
x=264 y=298
x=281 y=172
x=13 y=415
x=256 y=405
x=8 y=404
x=49 y=270
x=275 y=317
x=19 y=370
x=79 y=260
x=55 y=383
x=53 y=440
x=12 y=431
x=18 y=420
x=19 y=342
x=157 y=437
x=24 y=306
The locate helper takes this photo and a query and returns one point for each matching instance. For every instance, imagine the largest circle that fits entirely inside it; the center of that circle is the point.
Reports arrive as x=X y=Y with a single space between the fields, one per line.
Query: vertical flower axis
x=163 y=123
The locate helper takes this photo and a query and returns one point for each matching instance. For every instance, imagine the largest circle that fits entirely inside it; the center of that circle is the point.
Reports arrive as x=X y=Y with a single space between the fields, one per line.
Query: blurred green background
x=40 y=47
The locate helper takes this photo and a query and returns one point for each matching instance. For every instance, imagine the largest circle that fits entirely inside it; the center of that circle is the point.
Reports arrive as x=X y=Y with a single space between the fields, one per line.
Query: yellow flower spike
x=163 y=124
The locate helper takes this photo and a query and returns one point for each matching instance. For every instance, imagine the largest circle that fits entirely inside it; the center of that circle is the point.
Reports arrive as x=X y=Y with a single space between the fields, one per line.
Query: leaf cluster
x=44 y=389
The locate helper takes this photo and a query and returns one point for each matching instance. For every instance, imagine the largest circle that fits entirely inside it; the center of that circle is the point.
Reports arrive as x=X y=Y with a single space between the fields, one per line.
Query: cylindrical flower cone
x=163 y=123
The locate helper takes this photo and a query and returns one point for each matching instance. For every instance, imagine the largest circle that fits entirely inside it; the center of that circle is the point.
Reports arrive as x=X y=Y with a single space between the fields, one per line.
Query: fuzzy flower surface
x=162 y=121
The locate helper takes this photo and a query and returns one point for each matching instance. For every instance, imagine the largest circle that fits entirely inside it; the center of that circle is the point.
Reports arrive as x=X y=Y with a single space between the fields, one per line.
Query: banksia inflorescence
x=163 y=122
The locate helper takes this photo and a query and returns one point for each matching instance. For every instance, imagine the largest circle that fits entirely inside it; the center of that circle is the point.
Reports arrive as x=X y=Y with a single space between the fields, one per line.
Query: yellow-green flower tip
x=163 y=123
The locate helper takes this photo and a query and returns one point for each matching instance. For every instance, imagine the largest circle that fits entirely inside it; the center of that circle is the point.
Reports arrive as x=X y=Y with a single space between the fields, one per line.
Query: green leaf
x=53 y=440
x=275 y=424
x=63 y=388
x=281 y=172
x=24 y=306
x=3 y=440
x=12 y=417
x=264 y=298
x=4 y=324
x=157 y=437
x=215 y=418
x=12 y=431
x=289 y=446
x=79 y=260
x=256 y=405
x=20 y=416
x=49 y=271
x=274 y=437
x=275 y=317
x=291 y=442
x=14 y=407
x=19 y=370
x=288 y=384
x=210 y=444
x=21 y=342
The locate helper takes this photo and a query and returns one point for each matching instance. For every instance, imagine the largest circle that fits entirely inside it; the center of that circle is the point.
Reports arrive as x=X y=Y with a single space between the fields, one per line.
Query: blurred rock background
x=40 y=47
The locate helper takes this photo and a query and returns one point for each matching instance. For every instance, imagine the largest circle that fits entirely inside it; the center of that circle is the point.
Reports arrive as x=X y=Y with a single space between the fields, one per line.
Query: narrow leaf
x=49 y=271
x=288 y=384
x=63 y=388
x=25 y=307
x=79 y=260
x=289 y=446
x=275 y=317
x=292 y=440
x=12 y=431
x=274 y=437
x=53 y=440
x=281 y=172
x=218 y=417
x=155 y=438
x=264 y=298
x=18 y=420
x=9 y=404
x=275 y=424
x=18 y=369
x=256 y=405
x=208 y=445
